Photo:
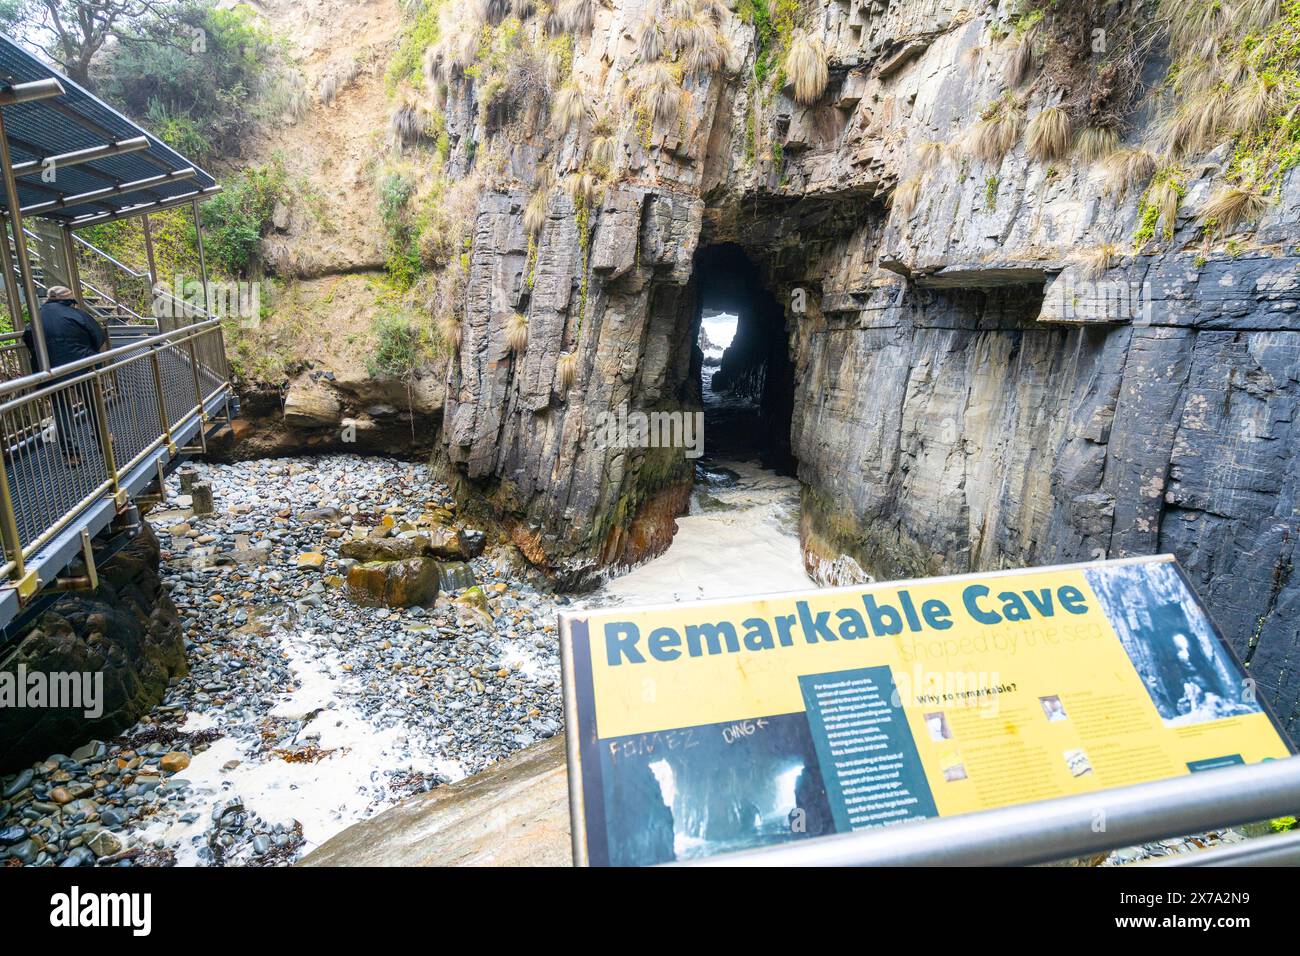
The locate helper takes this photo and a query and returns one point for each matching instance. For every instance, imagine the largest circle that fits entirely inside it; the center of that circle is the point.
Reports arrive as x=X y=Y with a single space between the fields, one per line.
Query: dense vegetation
x=197 y=77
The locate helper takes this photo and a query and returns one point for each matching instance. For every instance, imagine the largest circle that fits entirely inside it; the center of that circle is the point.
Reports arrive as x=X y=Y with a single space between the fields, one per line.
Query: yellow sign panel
x=701 y=728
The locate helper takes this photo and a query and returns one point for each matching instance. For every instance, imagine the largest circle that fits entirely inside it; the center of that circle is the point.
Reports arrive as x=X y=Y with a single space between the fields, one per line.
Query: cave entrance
x=746 y=377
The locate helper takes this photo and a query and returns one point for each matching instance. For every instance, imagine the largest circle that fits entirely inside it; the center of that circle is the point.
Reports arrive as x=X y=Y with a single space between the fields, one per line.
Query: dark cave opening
x=746 y=382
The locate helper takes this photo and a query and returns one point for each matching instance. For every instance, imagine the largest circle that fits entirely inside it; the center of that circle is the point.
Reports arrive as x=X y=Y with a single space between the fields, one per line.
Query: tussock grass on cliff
x=566 y=371
x=655 y=90
x=1096 y=142
x=576 y=17
x=1232 y=206
x=905 y=196
x=535 y=212
x=582 y=187
x=650 y=43
x=1197 y=26
x=1021 y=62
x=517 y=333
x=1195 y=124
x=1127 y=168
x=450 y=330
x=1158 y=210
x=1048 y=135
x=1254 y=102
x=997 y=130
x=807 y=69
x=1234 y=79
x=601 y=151
x=704 y=49
x=929 y=152
x=568 y=109
x=1098 y=259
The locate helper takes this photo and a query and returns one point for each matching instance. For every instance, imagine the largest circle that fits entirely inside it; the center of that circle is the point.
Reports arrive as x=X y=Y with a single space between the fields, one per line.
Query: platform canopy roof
x=104 y=166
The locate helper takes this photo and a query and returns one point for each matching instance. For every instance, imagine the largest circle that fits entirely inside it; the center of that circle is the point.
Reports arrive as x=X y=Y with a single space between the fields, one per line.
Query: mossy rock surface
x=406 y=583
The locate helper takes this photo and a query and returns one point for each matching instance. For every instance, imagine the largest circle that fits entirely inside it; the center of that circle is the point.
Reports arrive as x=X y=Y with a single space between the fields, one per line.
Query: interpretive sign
x=696 y=729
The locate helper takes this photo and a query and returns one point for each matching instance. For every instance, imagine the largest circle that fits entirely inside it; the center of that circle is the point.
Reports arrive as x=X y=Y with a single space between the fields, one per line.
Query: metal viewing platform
x=80 y=441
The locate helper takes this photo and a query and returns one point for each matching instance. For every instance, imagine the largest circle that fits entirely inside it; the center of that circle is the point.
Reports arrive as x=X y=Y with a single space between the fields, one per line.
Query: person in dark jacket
x=70 y=335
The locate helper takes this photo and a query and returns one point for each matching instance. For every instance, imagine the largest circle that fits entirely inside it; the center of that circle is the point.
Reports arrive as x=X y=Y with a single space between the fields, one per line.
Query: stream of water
x=741 y=535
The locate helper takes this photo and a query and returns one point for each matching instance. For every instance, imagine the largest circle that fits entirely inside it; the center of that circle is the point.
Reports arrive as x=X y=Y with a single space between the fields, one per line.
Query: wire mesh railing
x=69 y=437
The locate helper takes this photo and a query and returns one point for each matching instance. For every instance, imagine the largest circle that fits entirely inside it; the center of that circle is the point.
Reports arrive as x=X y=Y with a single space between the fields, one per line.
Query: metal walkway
x=77 y=444
x=79 y=441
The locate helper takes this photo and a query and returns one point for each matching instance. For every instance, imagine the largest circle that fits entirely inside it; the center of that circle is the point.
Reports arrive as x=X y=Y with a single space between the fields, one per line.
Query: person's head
x=59 y=293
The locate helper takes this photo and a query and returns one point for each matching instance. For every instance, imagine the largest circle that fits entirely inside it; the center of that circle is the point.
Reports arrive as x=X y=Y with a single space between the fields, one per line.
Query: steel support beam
x=10 y=280
x=203 y=262
x=63 y=202
x=157 y=206
x=1262 y=851
x=20 y=246
x=12 y=93
x=70 y=254
x=76 y=157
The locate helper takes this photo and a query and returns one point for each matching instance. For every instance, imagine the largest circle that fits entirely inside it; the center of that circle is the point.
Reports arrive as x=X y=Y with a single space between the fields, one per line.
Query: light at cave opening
x=720 y=328
x=785 y=797
x=667 y=781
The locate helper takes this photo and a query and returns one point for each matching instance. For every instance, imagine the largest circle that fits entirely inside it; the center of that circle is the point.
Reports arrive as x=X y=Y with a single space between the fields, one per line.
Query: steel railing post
x=20 y=248
x=11 y=282
x=24 y=580
x=198 y=393
x=106 y=437
x=1055 y=829
x=74 y=272
x=203 y=261
x=163 y=419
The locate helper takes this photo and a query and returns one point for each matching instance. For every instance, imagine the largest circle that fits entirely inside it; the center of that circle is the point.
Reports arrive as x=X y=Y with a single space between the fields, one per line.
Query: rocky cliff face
x=1004 y=353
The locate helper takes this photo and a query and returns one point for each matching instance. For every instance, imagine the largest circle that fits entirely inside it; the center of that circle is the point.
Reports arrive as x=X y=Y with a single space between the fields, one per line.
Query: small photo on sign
x=698 y=791
x=937 y=724
x=953 y=768
x=1078 y=763
x=1191 y=677
x=1052 y=708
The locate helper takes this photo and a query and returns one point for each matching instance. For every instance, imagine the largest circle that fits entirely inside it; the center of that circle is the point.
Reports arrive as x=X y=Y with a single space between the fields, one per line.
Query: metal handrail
x=104 y=255
x=37 y=378
x=69 y=437
x=1051 y=830
x=115 y=301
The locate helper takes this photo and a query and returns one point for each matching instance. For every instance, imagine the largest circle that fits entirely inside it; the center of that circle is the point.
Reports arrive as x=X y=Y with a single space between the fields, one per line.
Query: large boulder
x=380 y=547
x=449 y=544
x=405 y=583
x=311 y=404
x=125 y=633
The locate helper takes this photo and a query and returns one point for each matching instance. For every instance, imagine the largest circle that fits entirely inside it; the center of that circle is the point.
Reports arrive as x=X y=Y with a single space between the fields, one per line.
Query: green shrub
x=420 y=34
x=774 y=23
x=395 y=191
x=398 y=347
x=235 y=220
x=193 y=74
